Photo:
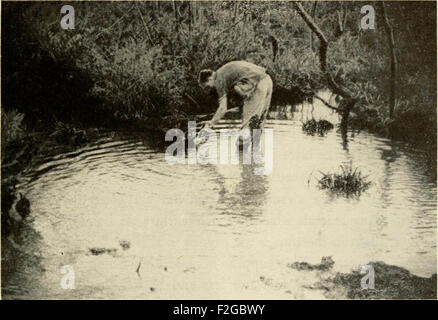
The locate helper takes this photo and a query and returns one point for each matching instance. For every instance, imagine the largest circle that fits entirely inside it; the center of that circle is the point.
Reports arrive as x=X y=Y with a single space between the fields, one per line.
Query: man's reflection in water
x=242 y=193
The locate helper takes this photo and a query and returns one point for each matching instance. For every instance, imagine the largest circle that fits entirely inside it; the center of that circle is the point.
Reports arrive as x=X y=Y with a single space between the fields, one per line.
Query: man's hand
x=206 y=126
x=203 y=139
x=200 y=140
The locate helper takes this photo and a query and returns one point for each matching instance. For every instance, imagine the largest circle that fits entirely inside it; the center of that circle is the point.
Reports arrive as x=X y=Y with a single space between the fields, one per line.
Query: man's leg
x=258 y=103
x=255 y=111
x=267 y=101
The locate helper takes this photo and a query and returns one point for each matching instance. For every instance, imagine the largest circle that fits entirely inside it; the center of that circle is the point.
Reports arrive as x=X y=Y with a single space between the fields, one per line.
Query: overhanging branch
x=325 y=103
x=323 y=45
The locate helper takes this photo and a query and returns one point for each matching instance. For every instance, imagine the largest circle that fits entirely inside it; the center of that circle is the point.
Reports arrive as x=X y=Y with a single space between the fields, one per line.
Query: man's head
x=206 y=78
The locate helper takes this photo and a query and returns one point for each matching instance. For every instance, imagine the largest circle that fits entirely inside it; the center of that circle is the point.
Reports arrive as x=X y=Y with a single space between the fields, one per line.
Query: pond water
x=221 y=231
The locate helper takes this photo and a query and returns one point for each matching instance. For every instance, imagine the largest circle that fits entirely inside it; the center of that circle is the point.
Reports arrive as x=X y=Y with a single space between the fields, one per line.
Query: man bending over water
x=249 y=81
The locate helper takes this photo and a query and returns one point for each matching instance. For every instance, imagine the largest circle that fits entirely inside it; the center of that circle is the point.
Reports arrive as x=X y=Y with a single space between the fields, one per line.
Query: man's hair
x=204 y=75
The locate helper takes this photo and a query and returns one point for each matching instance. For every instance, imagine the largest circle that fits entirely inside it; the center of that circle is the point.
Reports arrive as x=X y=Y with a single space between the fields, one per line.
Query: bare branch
x=313 y=13
x=309 y=21
x=189 y=97
x=325 y=102
x=390 y=36
x=145 y=26
x=323 y=44
x=117 y=21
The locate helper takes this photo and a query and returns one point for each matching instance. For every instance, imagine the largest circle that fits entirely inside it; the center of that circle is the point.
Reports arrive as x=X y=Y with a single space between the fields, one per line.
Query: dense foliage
x=137 y=60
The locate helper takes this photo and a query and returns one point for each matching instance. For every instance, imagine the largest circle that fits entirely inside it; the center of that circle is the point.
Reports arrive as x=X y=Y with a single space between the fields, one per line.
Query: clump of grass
x=348 y=182
x=321 y=127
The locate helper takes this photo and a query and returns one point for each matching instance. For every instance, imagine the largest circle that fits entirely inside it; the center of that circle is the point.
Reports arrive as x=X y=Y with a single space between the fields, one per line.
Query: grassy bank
x=141 y=60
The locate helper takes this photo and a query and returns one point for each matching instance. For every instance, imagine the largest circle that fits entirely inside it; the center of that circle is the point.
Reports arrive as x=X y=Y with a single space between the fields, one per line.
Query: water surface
x=221 y=231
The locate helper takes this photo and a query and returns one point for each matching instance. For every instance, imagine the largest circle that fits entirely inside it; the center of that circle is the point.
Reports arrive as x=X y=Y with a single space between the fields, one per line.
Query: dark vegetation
x=140 y=60
x=391 y=282
x=100 y=251
x=320 y=127
x=125 y=245
x=326 y=264
x=348 y=181
x=133 y=66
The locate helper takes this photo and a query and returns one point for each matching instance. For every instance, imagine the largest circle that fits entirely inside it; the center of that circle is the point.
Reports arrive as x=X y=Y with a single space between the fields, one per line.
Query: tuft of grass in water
x=311 y=127
x=348 y=182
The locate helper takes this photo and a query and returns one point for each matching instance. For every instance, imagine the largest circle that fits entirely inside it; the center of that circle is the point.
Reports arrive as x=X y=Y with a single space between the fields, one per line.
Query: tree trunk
x=191 y=15
x=311 y=33
x=175 y=13
x=274 y=43
x=348 y=100
x=236 y=6
x=390 y=36
x=337 y=89
x=195 y=12
x=342 y=19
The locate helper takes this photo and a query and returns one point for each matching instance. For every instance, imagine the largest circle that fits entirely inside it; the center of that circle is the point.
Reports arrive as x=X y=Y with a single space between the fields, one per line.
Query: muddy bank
x=391 y=282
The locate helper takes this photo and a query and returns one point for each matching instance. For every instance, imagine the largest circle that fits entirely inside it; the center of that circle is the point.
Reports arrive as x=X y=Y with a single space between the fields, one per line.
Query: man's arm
x=221 y=111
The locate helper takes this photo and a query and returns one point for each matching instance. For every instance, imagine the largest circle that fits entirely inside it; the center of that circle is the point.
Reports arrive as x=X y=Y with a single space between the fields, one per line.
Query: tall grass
x=12 y=126
x=144 y=62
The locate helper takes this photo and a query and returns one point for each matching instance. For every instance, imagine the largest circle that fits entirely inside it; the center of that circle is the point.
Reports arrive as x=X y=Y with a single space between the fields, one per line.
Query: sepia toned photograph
x=210 y=150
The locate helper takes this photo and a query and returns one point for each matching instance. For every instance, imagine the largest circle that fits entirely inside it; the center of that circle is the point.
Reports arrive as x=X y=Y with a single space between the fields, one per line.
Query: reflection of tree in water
x=388 y=156
x=344 y=135
x=282 y=112
x=398 y=159
x=307 y=112
x=246 y=197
